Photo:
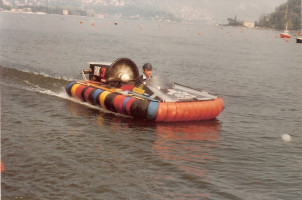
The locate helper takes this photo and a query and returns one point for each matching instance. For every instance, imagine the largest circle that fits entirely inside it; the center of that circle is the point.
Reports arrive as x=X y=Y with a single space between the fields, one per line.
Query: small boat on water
x=114 y=87
x=299 y=35
x=285 y=33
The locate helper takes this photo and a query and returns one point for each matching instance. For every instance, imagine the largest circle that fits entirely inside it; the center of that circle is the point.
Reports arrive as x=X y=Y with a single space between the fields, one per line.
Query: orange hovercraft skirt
x=145 y=109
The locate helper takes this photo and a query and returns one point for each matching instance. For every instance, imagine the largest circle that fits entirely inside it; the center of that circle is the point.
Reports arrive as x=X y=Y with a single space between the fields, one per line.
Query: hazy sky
x=219 y=10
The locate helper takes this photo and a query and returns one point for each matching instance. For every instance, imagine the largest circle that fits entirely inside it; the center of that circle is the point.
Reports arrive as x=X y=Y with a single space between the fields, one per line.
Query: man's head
x=147 y=69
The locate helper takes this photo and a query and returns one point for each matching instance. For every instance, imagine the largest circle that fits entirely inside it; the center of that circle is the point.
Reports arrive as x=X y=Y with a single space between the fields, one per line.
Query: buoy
x=286 y=137
x=2 y=167
x=230 y=34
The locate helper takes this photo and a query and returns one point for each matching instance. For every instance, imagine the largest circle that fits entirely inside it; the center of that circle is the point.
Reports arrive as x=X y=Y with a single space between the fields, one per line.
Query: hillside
x=277 y=19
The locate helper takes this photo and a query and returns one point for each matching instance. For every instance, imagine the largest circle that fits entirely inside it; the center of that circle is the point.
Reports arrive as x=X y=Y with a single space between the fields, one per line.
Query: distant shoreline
x=224 y=25
x=37 y=13
x=257 y=27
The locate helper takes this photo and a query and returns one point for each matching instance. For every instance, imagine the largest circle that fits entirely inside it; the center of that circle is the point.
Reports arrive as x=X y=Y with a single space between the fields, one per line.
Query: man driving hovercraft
x=147 y=71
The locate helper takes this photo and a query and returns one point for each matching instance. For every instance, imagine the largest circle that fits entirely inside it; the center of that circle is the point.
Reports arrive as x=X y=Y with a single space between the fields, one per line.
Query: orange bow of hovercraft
x=114 y=87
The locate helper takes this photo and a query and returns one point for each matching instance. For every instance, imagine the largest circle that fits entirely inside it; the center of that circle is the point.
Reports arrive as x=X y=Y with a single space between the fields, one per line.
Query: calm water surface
x=56 y=148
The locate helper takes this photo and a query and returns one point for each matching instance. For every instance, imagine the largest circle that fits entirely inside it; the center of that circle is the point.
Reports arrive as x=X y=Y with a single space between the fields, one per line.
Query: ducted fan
x=123 y=70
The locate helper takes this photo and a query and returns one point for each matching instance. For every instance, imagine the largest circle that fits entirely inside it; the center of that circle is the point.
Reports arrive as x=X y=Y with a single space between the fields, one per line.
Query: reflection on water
x=206 y=130
x=186 y=149
x=104 y=117
x=188 y=145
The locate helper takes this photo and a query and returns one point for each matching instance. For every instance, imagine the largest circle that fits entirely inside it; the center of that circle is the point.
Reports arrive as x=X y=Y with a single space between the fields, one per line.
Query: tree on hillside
x=278 y=19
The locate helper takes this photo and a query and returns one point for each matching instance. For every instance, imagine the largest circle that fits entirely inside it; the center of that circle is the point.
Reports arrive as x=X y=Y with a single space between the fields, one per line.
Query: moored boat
x=299 y=35
x=114 y=87
x=285 y=33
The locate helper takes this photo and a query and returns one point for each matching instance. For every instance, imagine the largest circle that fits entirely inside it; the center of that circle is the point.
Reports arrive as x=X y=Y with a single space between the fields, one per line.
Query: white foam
x=61 y=94
x=36 y=88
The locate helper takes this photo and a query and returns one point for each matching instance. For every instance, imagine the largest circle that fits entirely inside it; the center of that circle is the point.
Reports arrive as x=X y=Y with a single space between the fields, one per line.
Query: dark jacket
x=140 y=79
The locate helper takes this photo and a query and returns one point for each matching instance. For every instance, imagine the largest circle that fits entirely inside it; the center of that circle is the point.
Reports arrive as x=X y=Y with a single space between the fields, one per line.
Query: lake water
x=55 y=148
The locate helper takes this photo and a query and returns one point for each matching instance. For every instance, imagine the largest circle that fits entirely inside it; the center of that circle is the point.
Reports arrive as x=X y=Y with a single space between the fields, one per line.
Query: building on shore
x=249 y=24
x=65 y=12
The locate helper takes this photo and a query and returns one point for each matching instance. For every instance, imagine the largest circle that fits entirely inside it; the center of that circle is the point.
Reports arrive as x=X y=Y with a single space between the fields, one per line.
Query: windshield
x=162 y=88
x=160 y=82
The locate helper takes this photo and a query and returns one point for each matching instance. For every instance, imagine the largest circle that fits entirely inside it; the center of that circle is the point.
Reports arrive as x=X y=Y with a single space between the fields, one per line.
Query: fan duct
x=122 y=70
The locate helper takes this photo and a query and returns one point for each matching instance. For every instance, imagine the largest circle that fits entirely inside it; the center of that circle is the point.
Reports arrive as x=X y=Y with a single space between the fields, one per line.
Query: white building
x=65 y=12
x=249 y=24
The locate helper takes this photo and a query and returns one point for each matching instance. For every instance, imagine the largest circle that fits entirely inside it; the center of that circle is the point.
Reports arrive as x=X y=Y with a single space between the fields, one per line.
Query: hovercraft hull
x=135 y=105
x=115 y=87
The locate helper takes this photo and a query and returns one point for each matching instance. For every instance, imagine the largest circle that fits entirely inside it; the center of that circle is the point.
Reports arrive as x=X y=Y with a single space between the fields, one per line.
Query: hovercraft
x=114 y=87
